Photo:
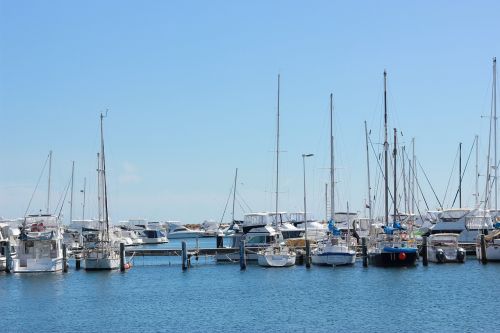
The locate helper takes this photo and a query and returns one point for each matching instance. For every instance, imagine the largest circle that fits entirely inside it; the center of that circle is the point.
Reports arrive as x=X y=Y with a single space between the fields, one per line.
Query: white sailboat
x=101 y=254
x=276 y=254
x=492 y=240
x=333 y=249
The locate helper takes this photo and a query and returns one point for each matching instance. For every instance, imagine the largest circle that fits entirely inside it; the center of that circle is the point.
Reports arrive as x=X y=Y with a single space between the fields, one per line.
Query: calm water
x=155 y=295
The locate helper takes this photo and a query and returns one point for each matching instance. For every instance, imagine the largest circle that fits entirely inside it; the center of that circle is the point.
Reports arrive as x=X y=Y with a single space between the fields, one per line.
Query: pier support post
x=122 y=257
x=484 y=259
x=243 y=257
x=77 y=261
x=8 y=257
x=219 y=242
x=65 y=258
x=425 y=257
x=364 y=251
x=307 y=259
x=184 y=255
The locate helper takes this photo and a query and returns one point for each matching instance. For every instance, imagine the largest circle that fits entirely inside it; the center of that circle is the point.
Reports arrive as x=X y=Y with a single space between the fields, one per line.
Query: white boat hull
x=98 y=264
x=334 y=258
x=37 y=265
x=276 y=260
x=185 y=235
x=492 y=252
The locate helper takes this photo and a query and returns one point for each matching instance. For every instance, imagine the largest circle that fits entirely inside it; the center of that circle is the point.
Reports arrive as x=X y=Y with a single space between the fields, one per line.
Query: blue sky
x=191 y=92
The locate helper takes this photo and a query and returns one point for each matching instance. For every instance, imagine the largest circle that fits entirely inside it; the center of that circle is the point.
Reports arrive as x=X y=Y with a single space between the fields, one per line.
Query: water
x=155 y=295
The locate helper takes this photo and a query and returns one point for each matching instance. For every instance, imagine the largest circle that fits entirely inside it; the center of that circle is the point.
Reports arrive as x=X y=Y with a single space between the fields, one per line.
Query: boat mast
x=332 y=163
x=99 y=189
x=395 y=153
x=71 y=198
x=414 y=175
x=495 y=127
x=84 y=191
x=476 y=194
x=277 y=150
x=460 y=175
x=386 y=148
x=404 y=180
x=326 y=202
x=368 y=171
x=234 y=193
x=105 y=190
x=48 y=187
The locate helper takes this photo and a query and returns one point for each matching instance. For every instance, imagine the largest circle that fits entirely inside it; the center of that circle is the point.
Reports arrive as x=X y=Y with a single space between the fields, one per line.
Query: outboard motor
x=461 y=255
x=441 y=258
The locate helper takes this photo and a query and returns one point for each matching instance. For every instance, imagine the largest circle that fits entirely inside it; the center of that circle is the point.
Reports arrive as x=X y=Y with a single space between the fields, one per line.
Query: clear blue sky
x=191 y=92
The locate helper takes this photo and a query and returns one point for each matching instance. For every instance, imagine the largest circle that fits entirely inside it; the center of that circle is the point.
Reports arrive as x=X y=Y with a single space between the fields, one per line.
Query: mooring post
x=122 y=257
x=364 y=251
x=219 y=241
x=243 y=257
x=484 y=259
x=425 y=256
x=307 y=259
x=65 y=258
x=77 y=261
x=8 y=258
x=184 y=255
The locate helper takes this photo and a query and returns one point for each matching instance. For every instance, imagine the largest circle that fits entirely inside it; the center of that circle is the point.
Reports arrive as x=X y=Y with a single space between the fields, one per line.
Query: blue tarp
x=332 y=228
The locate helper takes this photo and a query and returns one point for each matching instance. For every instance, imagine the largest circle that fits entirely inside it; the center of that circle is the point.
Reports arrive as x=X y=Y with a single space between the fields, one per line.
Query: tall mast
x=48 y=187
x=460 y=175
x=368 y=171
x=476 y=194
x=234 y=192
x=71 y=198
x=326 y=202
x=404 y=181
x=277 y=150
x=105 y=190
x=495 y=127
x=386 y=148
x=414 y=175
x=84 y=192
x=332 y=163
x=99 y=188
x=395 y=153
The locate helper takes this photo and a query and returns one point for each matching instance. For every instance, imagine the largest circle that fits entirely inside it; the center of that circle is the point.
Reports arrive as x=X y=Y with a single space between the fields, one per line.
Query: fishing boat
x=335 y=249
x=443 y=248
x=390 y=245
x=39 y=246
x=102 y=254
x=277 y=254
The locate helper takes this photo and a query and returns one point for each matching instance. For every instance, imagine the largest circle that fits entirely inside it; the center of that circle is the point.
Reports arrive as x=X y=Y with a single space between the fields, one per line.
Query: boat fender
x=402 y=256
x=460 y=255
x=440 y=256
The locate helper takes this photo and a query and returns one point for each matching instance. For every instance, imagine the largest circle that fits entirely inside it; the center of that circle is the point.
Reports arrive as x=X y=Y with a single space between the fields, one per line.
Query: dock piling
x=219 y=241
x=425 y=257
x=122 y=257
x=77 y=261
x=184 y=256
x=307 y=259
x=243 y=257
x=65 y=258
x=484 y=259
x=364 y=251
x=8 y=258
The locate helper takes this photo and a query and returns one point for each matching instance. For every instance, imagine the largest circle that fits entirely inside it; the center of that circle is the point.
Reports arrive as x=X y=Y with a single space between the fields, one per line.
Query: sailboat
x=277 y=254
x=492 y=240
x=40 y=242
x=391 y=247
x=333 y=249
x=101 y=254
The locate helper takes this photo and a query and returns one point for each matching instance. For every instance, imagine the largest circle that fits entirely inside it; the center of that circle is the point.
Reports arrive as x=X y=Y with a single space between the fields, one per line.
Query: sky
x=191 y=93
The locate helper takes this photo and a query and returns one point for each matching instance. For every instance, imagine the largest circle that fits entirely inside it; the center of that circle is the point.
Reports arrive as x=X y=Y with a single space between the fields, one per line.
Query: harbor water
x=157 y=296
